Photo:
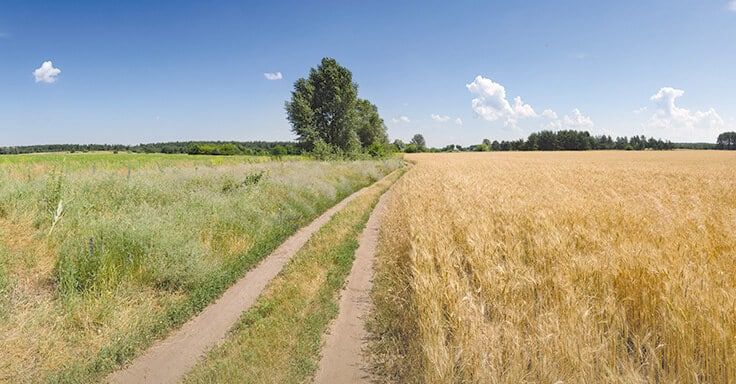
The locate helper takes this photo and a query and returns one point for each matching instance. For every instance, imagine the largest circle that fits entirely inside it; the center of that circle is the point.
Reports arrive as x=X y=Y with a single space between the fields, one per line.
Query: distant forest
x=569 y=140
x=256 y=148
x=566 y=140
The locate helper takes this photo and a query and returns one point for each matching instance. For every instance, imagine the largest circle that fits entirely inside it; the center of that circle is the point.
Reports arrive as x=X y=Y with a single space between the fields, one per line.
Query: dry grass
x=560 y=267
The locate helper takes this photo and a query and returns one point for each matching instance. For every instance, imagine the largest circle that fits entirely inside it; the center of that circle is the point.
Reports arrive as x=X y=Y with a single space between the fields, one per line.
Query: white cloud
x=641 y=110
x=273 y=75
x=681 y=123
x=401 y=119
x=491 y=104
x=440 y=118
x=458 y=121
x=550 y=114
x=577 y=120
x=46 y=73
x=523 y=110
x=732 y=6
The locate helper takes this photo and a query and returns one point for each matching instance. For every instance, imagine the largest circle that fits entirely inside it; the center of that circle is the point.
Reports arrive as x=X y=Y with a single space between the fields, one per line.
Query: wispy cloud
x=273 y=75
x=401 y=119
x=444 y=118
x=731 y=6
x=46 y=73
x=641 y=110
x=439 y=118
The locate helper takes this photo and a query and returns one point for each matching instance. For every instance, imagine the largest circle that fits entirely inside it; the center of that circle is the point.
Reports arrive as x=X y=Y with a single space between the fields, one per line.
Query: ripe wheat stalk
x=574 y=267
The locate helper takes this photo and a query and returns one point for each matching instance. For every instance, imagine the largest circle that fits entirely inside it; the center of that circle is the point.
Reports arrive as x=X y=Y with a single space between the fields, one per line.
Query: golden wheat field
x=613 y=267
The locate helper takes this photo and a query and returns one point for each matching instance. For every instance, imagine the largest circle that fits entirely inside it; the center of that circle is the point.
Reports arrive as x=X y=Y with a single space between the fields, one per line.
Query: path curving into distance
x=343 y=353
x=169 y=359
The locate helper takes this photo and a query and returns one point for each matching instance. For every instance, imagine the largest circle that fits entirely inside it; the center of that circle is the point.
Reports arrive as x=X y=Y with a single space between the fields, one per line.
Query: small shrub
x=412 y=148
x=376 y=150
x=322 y=151
x=229 y=184
x=253 y=178
x=278 y=152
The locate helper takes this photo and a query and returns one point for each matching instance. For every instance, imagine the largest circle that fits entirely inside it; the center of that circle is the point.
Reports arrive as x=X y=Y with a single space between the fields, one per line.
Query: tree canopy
x=726 y=140
x=326 y=114
x=419 y=141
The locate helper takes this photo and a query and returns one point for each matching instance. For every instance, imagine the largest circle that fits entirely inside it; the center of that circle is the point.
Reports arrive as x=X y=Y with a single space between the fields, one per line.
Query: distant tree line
x=62 y=148
x=226 y=148
x=255 y=148
x=565 y=140
x=417 y=144
x=695 y=146
x=570 y=140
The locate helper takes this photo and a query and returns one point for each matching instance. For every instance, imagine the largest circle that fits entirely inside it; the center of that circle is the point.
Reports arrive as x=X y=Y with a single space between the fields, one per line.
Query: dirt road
x=168 y=360
x=342 y=356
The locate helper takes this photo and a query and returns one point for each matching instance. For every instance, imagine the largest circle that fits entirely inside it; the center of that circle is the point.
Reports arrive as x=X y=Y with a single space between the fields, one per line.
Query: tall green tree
x=322 y=107
x=419 y=142
x=325 y=112
x=726 y=140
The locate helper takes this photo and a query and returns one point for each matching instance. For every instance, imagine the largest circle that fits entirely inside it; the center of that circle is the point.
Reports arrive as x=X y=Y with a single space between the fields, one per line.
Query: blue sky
x=135 y=71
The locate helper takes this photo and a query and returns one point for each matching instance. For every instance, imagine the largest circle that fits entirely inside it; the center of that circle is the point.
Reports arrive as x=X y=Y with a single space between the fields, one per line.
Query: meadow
x=102 y=253
x=121 y=162
x=580 y=267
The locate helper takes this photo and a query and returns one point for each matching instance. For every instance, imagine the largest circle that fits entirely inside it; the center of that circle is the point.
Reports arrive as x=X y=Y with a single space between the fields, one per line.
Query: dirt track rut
x=343 y=353
x=169 y=359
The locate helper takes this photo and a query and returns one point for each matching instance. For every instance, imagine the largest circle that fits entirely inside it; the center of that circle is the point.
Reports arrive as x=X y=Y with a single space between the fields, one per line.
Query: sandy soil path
x=342 y=355
x=168 y=360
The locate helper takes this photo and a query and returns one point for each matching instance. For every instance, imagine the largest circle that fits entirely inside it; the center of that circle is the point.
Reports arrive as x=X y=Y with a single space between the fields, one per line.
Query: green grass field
x=120 y=161
x=96 y=261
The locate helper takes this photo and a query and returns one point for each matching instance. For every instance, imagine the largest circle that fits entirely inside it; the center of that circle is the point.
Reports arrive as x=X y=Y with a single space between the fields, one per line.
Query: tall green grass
x=279 y=339
x=134 y=254
x=3 y=283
